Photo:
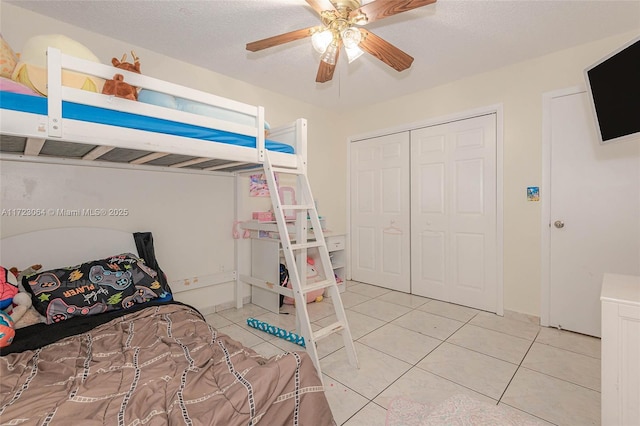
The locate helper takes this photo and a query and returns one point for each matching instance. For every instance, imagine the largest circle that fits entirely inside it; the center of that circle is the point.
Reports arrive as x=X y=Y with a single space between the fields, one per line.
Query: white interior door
x=454 y=212
x=594 y=214
x=380 y=211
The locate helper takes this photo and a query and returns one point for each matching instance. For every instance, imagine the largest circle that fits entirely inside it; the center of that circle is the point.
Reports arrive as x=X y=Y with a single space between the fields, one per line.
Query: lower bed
x=159 y=365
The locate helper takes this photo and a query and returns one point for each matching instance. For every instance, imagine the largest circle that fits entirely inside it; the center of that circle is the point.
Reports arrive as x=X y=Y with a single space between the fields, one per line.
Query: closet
x=424 y=211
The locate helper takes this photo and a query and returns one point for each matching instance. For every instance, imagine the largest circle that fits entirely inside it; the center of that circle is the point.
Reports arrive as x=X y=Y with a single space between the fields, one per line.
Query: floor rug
x=459 y=410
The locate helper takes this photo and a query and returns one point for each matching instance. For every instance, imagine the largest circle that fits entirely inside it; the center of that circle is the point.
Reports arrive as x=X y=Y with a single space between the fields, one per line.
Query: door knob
x=558 y=224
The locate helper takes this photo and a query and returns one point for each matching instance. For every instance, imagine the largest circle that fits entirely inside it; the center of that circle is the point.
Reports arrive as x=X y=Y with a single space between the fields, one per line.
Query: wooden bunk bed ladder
x=295 y=253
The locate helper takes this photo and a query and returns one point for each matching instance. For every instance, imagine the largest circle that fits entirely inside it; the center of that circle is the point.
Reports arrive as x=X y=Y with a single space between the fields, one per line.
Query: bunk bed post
x=301 y=141
x=260 y=145
x=237 y=263
x=54 y=89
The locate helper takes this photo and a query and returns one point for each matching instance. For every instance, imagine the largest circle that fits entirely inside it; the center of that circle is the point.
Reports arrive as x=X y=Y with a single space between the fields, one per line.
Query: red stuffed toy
x=117 y=87
x=8 y=287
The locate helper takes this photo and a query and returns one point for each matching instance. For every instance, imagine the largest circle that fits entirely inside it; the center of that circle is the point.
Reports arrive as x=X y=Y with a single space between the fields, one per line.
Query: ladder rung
x=310 y=244
x=317 y=286
x=297 y=206
x=328 y=330
x=287 y=171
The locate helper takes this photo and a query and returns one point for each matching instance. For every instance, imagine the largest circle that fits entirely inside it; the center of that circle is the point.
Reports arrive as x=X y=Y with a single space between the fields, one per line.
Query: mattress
x=75 y=111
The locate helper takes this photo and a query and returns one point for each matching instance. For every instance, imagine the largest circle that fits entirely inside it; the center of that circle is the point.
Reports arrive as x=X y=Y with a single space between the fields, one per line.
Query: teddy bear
x=21 y=310
x=117 y=86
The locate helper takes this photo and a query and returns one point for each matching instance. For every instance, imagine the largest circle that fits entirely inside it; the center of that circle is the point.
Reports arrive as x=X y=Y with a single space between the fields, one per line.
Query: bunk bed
x=96 y=368
x=77 y=124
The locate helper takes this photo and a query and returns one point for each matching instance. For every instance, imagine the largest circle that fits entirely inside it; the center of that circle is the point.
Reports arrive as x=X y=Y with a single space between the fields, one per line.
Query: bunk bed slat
x=149 y=157
x=190 y=162
x=97 y=152
x=224 y=166
x=33 y=146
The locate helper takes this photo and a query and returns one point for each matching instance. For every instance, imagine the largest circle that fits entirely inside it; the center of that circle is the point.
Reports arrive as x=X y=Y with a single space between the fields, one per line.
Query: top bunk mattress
x=74 y=111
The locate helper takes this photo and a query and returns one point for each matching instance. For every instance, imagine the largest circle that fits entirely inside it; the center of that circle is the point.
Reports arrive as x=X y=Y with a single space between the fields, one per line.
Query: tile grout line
x=399 y=377
x=569 y=350
x=412 y=365
x=518 y=368
x=562 y=380
x=420 y=360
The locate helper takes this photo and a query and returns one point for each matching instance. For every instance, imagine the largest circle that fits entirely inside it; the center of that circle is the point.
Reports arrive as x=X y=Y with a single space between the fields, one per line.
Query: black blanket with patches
x=39 y=335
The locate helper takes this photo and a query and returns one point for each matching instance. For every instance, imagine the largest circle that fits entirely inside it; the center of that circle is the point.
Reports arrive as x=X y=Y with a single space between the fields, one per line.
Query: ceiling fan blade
x=380 y=9
x=385 y=51
x=280 y=39
x=325 y=70
x=321 y=5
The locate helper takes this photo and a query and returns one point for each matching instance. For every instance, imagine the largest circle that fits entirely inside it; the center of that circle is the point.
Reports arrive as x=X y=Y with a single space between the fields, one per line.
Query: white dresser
x=620 y=298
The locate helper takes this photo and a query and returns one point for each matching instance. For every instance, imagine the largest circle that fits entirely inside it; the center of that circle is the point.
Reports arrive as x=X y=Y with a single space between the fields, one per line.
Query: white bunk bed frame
x=33 y=131
x=37 y=130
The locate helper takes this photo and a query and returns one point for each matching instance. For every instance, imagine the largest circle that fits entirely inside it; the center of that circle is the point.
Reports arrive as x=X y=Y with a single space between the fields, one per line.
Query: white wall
x=519 y=88
x=192 y=234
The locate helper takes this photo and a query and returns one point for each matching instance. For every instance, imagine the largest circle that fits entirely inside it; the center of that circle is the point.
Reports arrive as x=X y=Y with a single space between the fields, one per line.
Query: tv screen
x=614 y=85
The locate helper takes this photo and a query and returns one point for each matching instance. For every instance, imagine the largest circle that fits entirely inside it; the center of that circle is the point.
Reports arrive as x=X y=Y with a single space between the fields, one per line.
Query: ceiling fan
x=341 y=26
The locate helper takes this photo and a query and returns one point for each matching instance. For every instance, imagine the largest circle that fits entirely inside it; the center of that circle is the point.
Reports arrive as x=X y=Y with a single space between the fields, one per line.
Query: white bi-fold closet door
x=453 y=212
x=380 y=211
x=437 y=202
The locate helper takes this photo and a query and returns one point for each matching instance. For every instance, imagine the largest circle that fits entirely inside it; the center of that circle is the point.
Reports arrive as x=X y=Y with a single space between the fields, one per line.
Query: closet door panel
x=380 y=211
x=460 y=265
x=365 y=260
x=431 y=262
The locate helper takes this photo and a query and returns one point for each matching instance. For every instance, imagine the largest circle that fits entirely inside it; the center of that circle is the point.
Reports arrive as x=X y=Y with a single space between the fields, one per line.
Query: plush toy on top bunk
x=117 y=86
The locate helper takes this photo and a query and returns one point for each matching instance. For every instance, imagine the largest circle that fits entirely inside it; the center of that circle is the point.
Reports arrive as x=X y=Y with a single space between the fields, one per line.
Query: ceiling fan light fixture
x=353 y=53
x=341 y=22
x=321 y=40
x=359 y=19
x=351 y=37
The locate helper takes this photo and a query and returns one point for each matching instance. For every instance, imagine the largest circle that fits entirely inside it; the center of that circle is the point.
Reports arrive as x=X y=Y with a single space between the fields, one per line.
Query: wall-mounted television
x=614 y=87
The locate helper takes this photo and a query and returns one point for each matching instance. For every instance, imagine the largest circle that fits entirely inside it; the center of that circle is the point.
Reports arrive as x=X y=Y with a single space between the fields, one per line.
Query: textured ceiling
x=449 y=40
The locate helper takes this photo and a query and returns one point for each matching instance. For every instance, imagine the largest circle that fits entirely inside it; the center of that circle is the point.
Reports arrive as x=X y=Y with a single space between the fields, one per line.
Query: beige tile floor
x=427 y=350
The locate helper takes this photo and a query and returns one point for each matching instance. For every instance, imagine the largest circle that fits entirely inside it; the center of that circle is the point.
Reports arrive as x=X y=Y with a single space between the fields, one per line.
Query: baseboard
x=224 y=306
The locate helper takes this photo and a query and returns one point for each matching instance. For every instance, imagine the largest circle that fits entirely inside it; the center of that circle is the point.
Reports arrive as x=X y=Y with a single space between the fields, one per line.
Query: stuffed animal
x=117 y=87
x=312 y=277
x=7 y=332
x=22 y=311
x=8 y=287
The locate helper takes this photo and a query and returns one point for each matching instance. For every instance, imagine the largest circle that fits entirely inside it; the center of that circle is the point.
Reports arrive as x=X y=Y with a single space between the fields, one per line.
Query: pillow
x=7 y=85
x=117 y=282
x=31 y=70
x=157 y=98
x=8 y=59
x=168 y=101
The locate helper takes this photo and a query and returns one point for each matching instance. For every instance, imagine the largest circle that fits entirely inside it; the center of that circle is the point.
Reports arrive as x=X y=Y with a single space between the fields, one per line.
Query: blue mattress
x=74 y=111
